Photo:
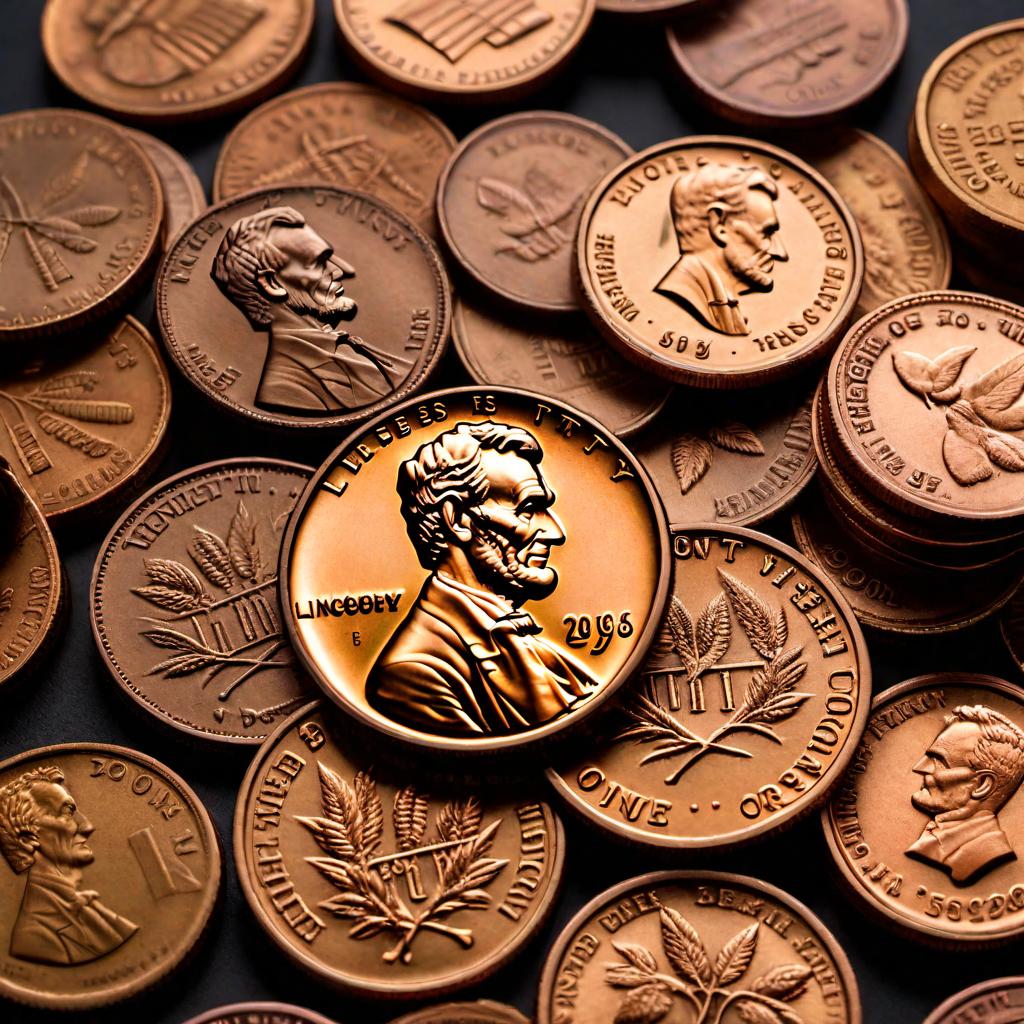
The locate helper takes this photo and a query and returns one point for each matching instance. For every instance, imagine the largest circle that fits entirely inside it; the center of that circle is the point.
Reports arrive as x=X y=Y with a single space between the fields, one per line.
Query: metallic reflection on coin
x=260 y=1013
x=184 y=195
x=1000 y=1001
x=484 y=1011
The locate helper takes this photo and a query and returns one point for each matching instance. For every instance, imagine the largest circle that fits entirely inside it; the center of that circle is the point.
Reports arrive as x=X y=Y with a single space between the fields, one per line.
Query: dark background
x=622 y=79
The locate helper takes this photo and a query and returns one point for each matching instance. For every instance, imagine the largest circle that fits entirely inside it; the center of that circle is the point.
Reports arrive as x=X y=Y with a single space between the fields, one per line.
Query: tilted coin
x=654 y=8
x=184 y=600
x=184 y=195
x=253 y=308
x=111 y=873
x=484 y=1011
x=445 y=575
x=1011 y=625
x=260 y=1013
x=1000 y=1001
x=719 y=262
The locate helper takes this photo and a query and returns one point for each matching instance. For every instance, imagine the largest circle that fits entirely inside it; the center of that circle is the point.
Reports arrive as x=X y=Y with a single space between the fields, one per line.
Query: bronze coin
x=719 y=262
x=382 y=885
x=1011 y=625
x=112 y=872
x=696 y=945
x=509 y=202
x=184 y=195
x=483 y=1011
x=1000 y=1001
x=185 y=605
x=253 y=306
x=407 y=564
x=80 y=214
x=344 y=134
x=150 y=60
x=653 y=8
x=772 y=62
x=260 y=1013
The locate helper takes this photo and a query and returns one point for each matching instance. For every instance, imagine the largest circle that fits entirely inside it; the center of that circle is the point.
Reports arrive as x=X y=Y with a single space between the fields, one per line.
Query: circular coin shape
x=483 y=1011
x=696 y=942
x=1011 y=625
x=254 y=306
x=509 y=202
x=1000 y=1001
x=260 y=1013
x=184 y=195
x=719 y=262
x=376 y=883
x=654 y=8
x=443 y=577
x=112 y=872
x=80 y=214
x=185 y=607
x=154 y=61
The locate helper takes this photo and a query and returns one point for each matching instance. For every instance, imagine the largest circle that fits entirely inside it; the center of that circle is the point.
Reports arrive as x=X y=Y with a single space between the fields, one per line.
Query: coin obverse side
x=483 y=1011
x=706 y=944
x=260 y=1013
x=445 y=576
x=184 y=195
x=185 y=609
x=999 y=1001
x=719 y=262
x=111 y=873
x=378 y=886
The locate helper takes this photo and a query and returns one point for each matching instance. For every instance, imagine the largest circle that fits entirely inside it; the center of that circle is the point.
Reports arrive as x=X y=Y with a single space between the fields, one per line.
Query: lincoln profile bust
x=467 y=660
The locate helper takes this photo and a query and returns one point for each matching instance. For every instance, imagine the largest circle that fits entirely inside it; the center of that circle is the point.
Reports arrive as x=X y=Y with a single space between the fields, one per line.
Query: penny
x=719 y=262
x=654 y=8
x=699 y=945
x=1000 y=1001
x=509 y=202
x=111 y=873
x=260 y=1013
x=184 y=195
x=344 y=134
x=771 y=62
x=80 y=214
x=1011 y=625
x=150 y=60
x=379 y=883
x=184 y=600
x=253 y=306
x=484 y=1011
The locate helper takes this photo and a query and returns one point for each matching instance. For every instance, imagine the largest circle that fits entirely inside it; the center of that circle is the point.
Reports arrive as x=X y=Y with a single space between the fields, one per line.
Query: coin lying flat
x=1000 y=1001
x=260 y=1013
x=184 y=195
x=484 y=1011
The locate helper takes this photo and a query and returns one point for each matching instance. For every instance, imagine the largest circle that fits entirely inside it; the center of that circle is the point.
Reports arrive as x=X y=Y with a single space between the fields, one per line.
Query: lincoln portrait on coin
x=467 y=660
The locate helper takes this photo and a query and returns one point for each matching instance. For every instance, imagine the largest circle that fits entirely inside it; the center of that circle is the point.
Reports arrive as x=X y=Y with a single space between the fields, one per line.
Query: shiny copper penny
x=773 y=62
x=1011 y=624
x=304 y=307
x=184 y=195
x=81 y=209
x=484 y=1011
x=653 y=8
x=260 y=1013
x=111 y=872
x=442 y=577
x=696 y=945
x=509 y=202
x=154 y=60
x=185 y=606
x=378 y=882
x=719 y=262
x=1000 y=1001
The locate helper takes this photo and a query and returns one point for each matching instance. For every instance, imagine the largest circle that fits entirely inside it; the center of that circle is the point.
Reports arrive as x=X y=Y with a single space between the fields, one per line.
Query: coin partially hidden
x=184 y=195
x=260 y=1013
x=999 y=1001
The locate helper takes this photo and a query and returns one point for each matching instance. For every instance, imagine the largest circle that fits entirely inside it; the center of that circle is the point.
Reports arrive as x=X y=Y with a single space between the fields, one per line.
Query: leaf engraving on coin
x=693 y=454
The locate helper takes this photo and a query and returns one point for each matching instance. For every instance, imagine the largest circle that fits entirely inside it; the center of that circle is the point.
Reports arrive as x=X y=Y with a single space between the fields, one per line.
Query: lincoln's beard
x=497 y=562
x=750 y=266
x=328 y=308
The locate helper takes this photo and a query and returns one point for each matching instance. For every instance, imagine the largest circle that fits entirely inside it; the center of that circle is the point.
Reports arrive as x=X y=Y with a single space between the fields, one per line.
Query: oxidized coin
x=1011 y=624
x=509 y=202
x=774 y=62
x=445 y=577
x=568 y=359
x=748 y=709
x=185 y=606
x=80 y=215
x=926 y=826
x=253 y=307
x=697 y=945
x=184 y=196
x=344 y=134
x=112 y=871
x=1000 y=1001
x=719 y=262
x=153 y=60
x=378 y=883
x=260 y=1013
x=483 y=1011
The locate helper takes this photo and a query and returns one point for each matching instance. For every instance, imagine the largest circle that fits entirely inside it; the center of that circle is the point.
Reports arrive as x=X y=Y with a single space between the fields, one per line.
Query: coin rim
x=300 y=1014
x=184 y=168
x=431 y=1014
x=941 y=1013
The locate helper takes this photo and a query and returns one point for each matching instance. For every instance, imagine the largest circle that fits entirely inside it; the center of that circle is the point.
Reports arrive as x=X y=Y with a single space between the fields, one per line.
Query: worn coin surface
x=700 y=945
x=260 y=1013
x=1000 y=1001
x=185 y=605
x=111 y=873
x=719 y=262
x=184 y=195
x=483 y=1011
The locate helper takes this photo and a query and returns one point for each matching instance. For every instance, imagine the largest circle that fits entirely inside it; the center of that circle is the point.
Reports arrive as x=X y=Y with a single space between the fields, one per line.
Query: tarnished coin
x=509 y=202
x=185 y=606
x=111 y=871
x=1011 y=624
x=378 y=882
x=80 y=214
x=260 y=1013
x=700 y=945
x=443 y=577
x=719 y=262
x=184 y=196
x=1000 y=1001
x=253 y=306
x=483 y=1011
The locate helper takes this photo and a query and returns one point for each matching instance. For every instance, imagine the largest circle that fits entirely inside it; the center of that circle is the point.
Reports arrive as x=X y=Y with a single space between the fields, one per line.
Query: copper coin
x=568 y=359
x=184 y=195
x=696 y=945
x=260 y=1013
x=409 y=560
x=254 y=307
x=1000 y=1001
x=653 y=8
x=773 y=62
x=154 y=60
x=185 y=606
x=484 y=1011
x=344 y=134
x=1011 y=624
x=926 y=826
x=80 y=214
x=378 y=883
x=719 y=262
x=509 y=202
x=112 y=872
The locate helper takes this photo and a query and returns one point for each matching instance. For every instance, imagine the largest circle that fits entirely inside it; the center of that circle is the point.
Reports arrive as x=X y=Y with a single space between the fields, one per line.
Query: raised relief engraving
x=693 y=454
x=6 y=601
x=165 y=875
